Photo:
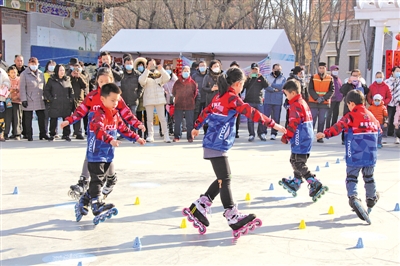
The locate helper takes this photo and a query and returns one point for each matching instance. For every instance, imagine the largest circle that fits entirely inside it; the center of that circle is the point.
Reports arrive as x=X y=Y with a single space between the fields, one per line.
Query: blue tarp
x=62 y=56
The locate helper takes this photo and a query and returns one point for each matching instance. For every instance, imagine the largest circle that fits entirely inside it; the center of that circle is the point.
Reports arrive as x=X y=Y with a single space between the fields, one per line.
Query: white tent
x=243 y=46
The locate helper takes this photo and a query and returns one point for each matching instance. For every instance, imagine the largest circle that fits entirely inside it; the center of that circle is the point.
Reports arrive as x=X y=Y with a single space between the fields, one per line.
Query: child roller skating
x=91 y=102
x=221 y=117
x=103 y=125
x=300 y=134
x=361 y=139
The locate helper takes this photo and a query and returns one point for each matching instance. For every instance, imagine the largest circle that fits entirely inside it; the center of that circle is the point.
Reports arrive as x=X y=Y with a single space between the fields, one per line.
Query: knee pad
x=369 y=179
x=351 y=178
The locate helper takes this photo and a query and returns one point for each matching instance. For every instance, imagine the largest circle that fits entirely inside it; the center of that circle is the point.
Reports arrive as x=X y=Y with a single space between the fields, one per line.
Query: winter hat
x=334 y=67
x=378 y=97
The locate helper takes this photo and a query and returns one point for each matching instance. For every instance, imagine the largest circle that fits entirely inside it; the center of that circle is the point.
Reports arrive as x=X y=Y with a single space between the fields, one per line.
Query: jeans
x=273 y=110
x=319 y=113
x=382 y=134
x=14 y=119
x=178 y=115
x=368 y=176
x=332 y=115
x=250 y=123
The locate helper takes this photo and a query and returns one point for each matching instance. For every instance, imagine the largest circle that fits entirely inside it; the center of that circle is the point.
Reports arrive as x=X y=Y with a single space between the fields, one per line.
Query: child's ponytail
x=232 y=75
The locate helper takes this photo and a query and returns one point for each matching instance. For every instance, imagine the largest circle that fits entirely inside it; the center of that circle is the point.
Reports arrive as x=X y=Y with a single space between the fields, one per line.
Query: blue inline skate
x=316 y=189
x=356 y=204
x=291 y=185
x=102 y=211
x=82 y=206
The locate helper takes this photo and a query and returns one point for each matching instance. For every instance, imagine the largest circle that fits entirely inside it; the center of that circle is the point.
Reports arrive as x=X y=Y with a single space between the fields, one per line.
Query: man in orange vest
x=320 y=89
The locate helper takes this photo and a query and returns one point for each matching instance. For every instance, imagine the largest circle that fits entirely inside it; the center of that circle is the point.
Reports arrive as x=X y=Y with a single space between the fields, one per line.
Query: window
x=355 y=32
x=331 y=61
x=333 y=33
x=353 y=62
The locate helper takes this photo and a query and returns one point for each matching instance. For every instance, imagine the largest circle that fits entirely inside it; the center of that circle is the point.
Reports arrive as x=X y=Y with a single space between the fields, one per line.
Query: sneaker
x=237 y=135
x=200 y=208
x=56 y=136
x=79 y=136
x=149 y=139
x=397 y=141
x=273 y=137
x=190 y=140
x=380 y=146
x=51 y=138
x=67 y=138
x=251 y=138
x=176 y=140
x=17 y=138
x=236 y=219
x=372 y=201
x=313 y=185
x=262 y=137
x=167 y=139
x=320 y=140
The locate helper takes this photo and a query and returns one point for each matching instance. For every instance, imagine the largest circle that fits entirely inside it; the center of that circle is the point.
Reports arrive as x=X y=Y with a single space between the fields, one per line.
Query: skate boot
x=76 y=191
x=108 y=188
x=101 y=210
x=356 y=205
x=197 y=213
x=292 y=185
x=82 y=207
x=316 y=188
x=241 y=223
x=371 y=202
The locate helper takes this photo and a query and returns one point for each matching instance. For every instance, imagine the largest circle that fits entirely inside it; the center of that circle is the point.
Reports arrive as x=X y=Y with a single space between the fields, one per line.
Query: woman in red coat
x=379 y=87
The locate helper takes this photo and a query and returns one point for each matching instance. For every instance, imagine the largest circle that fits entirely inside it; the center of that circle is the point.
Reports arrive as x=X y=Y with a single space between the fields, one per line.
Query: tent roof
x=218 y=42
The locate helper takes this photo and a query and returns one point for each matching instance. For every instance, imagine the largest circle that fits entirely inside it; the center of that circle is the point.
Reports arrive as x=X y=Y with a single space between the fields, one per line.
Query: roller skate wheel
x=96 y=220
x=257 y=222
x=196 y=225
x=190 y=218
x=369 y=210
x=102 y=218
x=252 y=227
x=78 y=217
x=185 y=211
x=109 y=215
x=236 y=234
x=314 y=199
x=280 y=182
x=294 y=194
x=115 y=211
x=202 y=230
x=326 y=188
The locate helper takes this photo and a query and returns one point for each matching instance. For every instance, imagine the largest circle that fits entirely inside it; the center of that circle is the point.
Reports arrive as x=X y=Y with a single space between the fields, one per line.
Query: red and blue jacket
x=103 y=127
x=361 y=136
x=300 y=127
x=92 y=102
x=221 y=115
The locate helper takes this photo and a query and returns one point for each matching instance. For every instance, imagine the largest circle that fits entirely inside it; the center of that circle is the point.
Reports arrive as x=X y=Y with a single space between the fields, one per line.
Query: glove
x=320 y=99
x=25 y=104
x=284 y=140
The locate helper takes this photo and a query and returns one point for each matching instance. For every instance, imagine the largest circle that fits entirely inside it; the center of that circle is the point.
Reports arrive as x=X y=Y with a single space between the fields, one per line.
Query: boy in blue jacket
x=300 y=134
x=105 y=122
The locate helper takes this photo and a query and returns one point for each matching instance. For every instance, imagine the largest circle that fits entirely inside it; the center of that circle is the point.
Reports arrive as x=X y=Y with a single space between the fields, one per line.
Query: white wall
x=12 y=37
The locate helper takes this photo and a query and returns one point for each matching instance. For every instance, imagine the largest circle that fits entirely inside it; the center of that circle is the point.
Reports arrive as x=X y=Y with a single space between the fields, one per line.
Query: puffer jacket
x=153 y=92
x=4 y=82
x=199 y=78
x=208 y=82
x=185 y=92
x=60 y=94
x=31 y=85
x=131 y=90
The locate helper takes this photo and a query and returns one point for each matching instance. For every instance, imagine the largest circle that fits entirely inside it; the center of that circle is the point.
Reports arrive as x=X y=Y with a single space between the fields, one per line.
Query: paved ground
x=39 y=228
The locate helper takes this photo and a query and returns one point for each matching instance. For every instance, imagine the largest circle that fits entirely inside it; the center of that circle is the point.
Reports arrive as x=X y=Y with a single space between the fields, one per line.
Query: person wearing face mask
x=31 y=92
x=297 y=74
x=378 y=109
x=394 y=84
x=210 y=87
x=106 y=61
x=198 y=77
x=273 y=97
x=59 y=92
x=379 y=87
x=185 y=91
x=141 y=114
x=5 y=86
x=152 y=79
x=333 y=112
x=48 y=71
x=80 y=87
x=254 y=86
x=170 y=108
x=130 y=87
x=321 y=89
x=354 y=82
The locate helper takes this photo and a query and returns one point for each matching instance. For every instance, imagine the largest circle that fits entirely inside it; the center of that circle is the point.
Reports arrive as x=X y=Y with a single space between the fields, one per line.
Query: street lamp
x=313 y=47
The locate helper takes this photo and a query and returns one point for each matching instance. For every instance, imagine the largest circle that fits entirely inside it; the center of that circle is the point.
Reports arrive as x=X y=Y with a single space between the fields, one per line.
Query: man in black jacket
x=253 y=87
x=81 y=88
